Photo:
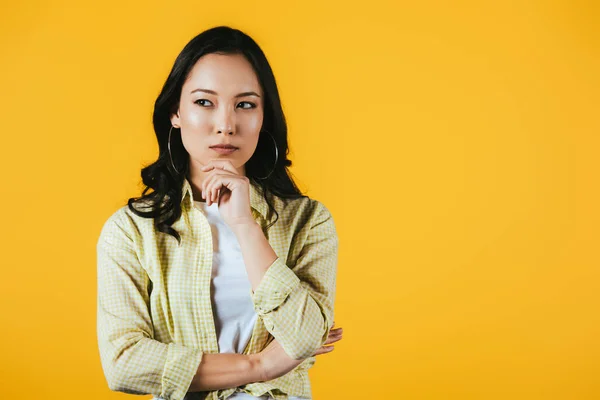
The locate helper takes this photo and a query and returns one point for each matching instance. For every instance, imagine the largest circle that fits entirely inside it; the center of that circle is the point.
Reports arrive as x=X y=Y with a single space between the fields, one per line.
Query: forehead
x=227 y=74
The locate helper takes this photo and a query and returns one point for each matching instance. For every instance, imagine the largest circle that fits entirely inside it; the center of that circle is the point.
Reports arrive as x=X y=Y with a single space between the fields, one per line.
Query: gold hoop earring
x=169 y=147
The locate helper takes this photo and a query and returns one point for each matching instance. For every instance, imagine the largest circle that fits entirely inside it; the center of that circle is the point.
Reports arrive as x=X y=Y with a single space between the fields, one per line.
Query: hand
x=274 y=362
x=225 y=186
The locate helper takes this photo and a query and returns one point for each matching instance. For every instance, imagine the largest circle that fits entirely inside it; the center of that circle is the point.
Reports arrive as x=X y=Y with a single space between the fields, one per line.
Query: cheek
x=248 y=150
x=193 y=131
x=194 y=121
x=195 y=143
x=253 y=123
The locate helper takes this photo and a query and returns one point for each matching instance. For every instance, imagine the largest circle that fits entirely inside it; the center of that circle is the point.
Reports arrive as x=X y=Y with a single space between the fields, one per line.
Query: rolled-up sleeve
x=296 y=302
x=132 y=360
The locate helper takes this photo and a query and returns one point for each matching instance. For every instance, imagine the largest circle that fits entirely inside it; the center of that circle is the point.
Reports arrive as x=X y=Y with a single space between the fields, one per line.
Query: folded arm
x=295 y=302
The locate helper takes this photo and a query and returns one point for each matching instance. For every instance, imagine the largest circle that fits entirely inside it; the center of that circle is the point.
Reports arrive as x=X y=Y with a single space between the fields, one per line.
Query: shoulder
x=123 y=223
x=307 y=225
x=306 y=209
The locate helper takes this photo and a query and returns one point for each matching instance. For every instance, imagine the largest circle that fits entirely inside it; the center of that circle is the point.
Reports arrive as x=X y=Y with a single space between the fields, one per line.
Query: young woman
x=220 y=282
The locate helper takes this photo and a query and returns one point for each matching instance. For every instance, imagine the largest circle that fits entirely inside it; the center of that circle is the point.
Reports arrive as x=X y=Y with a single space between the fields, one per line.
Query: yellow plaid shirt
x=154 y=314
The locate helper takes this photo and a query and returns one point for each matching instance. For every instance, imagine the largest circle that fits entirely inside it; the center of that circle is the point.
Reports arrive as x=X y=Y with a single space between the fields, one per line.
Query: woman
x=220 y=282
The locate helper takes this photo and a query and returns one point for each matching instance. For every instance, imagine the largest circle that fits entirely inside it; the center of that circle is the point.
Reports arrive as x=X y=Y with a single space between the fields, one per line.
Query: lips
x=224 y=146
x=223 y=150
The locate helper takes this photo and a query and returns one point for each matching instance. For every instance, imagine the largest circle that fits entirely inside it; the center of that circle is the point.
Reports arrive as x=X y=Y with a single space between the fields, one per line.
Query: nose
x=225 y=121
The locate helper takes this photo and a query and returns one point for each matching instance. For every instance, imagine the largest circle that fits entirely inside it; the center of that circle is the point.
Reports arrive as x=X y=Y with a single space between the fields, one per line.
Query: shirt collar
x=257 y=201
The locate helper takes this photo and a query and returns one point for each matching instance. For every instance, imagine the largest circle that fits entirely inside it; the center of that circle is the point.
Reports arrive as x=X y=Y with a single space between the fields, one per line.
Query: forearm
x=298 y=318
x=256 y=250
x=225 y=370
x=295 y=302
x=300 y=333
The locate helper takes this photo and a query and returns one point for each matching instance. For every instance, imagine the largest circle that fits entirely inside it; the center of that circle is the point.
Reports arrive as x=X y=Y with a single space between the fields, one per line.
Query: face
x=221 y=103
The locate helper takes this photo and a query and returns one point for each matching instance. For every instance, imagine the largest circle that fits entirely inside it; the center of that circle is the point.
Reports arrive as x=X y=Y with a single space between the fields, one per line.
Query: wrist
x=246 y=228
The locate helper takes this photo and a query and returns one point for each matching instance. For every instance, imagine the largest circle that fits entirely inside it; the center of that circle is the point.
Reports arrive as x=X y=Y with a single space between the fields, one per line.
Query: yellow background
x=455 y=142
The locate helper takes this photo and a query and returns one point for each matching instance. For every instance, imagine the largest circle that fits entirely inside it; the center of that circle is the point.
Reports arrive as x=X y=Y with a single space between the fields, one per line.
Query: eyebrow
x=243 y=94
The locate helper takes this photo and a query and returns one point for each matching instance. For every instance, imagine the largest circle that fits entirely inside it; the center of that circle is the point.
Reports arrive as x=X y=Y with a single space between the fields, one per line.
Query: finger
x=217 y=184
x=333 y=339
x=211 y=183
x=208 y=196
x=223 y=180
x=323 y=350
x=205 y=188
x=213 y=190
x=208 y=177
x=221 y=164
x=212 y=164
x=333 y=335
x=336 y=332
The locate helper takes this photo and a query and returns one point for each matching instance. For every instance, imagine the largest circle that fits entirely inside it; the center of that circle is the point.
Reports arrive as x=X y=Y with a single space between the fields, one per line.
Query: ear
x=175 y=120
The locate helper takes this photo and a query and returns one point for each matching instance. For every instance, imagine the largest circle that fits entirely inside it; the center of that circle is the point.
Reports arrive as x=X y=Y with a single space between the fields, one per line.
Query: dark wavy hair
x=164 y=202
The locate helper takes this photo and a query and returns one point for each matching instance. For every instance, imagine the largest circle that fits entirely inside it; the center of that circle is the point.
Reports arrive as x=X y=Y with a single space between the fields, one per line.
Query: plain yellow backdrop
x=455 y=142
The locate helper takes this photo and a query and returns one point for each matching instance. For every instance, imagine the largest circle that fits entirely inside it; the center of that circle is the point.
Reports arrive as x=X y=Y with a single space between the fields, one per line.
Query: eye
x=201 y=100
x=252 y=105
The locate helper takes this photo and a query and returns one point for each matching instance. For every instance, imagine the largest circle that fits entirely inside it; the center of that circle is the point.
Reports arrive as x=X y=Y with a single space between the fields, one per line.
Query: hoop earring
x=276 y=157
x=169 y=147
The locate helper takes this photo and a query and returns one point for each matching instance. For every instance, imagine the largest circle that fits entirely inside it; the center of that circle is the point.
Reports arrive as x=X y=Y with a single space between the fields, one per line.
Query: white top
x=230 y=287
x=233 y=309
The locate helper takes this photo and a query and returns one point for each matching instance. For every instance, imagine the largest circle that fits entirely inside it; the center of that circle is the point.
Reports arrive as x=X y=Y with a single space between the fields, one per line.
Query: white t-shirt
x=233 y=309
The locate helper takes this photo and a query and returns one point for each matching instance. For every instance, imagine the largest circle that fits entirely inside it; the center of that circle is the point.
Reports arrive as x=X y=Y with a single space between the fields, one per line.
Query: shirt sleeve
x=296 y=302
x=132 y=361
